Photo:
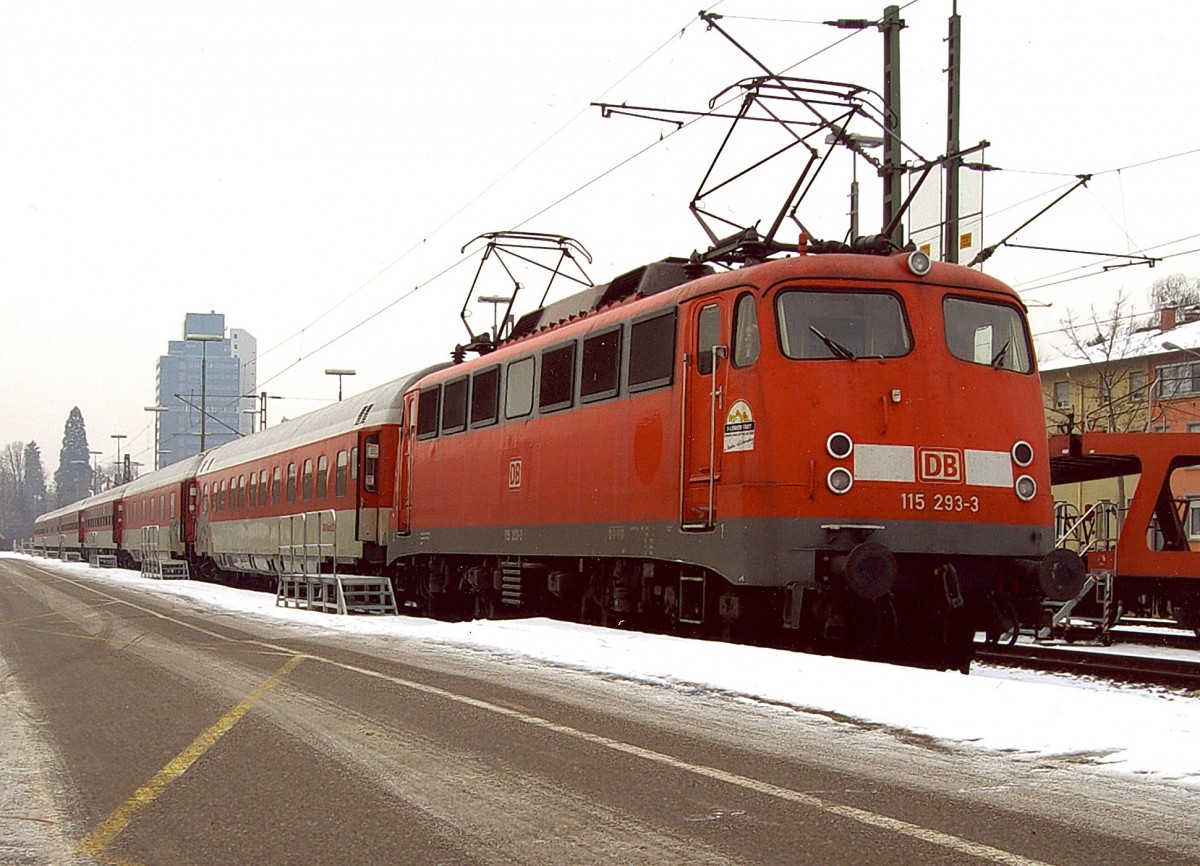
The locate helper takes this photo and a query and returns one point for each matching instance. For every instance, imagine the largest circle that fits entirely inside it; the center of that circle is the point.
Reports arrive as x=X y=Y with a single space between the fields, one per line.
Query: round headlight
x=1022 y=453
x=839 y=446
x=1026 y=488
x=919 y=263
x=839 y=480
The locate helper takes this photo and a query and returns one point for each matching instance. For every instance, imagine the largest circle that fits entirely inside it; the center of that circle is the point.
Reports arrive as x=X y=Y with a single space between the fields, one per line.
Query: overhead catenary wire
x=1120 y=171
x=675 y=34
x=1023 y=286
x=1037 y=282
x=557 y=202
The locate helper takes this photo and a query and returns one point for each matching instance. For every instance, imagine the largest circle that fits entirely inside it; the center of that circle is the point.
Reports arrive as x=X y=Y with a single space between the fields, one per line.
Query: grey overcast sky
x=303 y=166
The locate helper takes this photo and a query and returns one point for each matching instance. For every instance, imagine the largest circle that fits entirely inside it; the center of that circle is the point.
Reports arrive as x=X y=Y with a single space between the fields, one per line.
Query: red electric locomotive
x=845 y=449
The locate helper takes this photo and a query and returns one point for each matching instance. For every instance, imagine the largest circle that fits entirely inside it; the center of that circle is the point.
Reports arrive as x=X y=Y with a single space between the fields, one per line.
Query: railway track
x=1146 y=670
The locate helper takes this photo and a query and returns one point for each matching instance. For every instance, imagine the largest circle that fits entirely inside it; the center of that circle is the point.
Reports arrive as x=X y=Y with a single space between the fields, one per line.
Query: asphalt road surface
x=138 y=730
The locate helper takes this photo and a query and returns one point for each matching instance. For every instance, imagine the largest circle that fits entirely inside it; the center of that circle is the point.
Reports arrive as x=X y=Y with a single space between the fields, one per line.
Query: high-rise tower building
x=216 y=375
x=244 y=348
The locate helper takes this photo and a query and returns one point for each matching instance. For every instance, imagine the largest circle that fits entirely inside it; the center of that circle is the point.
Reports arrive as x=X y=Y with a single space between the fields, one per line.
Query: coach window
x=322 y=476
x=518 y=389
x=307 y=480
x=708 y=337
x=162 y=508
x=454 y=406
x=485 y=397
x=354 y=466
x=339 y=476
x=651 y=352
x=745 y=332
x=262 y=488
x=371 y=463
x=204 y=499
x=173 y=505
x=601 y=370
x=252 y=490
x=557 y=382
x=224 y=493
x=276 y=484
x=822 y=326
x=427 y=412
x=241 y=491
x=291 y=483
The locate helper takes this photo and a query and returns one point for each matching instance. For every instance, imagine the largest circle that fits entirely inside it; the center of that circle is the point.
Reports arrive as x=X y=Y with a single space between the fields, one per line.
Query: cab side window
x=708 y=335
x=746 y=343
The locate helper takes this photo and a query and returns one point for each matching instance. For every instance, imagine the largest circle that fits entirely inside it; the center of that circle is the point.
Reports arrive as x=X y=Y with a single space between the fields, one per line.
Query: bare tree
x=1108 y=345
x=12 y=483
x=1176 y=290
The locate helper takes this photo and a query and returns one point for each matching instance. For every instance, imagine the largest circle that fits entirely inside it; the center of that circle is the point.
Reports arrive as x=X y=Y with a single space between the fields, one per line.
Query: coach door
x=706 y=351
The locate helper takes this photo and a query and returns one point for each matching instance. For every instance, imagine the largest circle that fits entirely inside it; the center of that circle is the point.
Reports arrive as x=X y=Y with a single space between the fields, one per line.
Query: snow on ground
x=1120 y=728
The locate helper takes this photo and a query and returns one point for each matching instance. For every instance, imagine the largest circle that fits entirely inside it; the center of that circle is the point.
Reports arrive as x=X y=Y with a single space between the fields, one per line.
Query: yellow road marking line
x=112 y=826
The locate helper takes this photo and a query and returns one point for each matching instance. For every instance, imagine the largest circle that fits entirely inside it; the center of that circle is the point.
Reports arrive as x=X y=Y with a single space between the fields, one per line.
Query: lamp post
x=340 y=373
x=203 y=340
x=120 y=470
x=1175 y=347
x=95 y=455
x=157 y=410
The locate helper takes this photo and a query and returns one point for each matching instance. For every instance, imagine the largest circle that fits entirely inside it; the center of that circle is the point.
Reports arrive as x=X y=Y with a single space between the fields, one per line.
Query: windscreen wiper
x=834 y=346
x=998 y=358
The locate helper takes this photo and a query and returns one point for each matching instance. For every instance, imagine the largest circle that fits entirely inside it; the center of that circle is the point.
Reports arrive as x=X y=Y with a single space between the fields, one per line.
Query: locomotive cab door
x=705 y=361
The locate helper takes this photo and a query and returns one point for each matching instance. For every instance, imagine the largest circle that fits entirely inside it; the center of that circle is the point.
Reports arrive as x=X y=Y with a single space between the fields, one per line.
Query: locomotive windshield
x=819 y=325
x=984 y=333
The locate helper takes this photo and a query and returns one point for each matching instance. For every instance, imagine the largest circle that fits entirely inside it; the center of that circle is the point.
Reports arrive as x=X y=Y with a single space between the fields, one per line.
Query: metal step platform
x=307 y=546
x=336 y=593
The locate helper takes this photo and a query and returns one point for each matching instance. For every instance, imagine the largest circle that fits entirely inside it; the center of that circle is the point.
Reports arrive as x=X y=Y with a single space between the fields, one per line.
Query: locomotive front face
x=881 y=425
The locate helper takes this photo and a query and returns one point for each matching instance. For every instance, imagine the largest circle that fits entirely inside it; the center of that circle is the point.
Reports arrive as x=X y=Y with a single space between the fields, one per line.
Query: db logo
x=514 y=474
x=941 y=465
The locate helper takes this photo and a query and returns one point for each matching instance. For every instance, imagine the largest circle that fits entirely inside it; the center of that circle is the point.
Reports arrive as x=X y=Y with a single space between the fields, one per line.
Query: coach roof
x=381 y=405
